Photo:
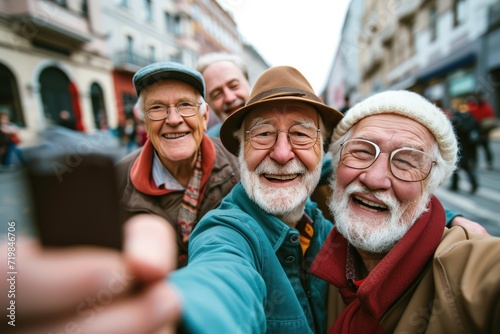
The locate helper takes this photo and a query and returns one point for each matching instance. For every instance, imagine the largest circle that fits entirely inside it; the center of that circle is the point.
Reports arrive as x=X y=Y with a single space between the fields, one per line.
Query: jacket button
x=290 y=259
x=294 y=238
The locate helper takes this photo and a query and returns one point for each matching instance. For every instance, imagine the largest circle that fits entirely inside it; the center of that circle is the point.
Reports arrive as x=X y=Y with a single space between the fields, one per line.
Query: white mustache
x=268 y=166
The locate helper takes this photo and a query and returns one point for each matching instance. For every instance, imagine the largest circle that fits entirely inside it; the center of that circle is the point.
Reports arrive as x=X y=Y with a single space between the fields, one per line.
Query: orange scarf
x=141 y=172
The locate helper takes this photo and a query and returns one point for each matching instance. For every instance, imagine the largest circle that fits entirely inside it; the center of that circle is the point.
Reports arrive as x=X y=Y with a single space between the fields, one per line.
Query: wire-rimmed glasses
x=407 y=164
x=159 y=112
x=264 y=136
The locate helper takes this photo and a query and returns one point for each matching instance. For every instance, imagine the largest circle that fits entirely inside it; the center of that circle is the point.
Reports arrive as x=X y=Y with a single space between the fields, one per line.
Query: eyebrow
x=416 y=147
x=268 y=120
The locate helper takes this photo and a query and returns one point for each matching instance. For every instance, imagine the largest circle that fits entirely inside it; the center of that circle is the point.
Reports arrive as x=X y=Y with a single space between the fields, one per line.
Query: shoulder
x=123 y=166
x=223 y=155
x=462 y=256
x=466 y=269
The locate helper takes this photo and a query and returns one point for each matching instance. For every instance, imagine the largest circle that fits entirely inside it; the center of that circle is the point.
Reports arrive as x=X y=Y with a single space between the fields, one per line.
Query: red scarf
x=141 y=172
x=388 y=280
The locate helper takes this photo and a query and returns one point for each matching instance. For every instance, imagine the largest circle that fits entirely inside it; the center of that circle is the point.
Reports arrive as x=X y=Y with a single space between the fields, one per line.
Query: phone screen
x=75 y=200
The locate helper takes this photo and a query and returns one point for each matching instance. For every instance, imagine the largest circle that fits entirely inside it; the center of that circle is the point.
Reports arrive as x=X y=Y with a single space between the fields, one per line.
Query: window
x=433 y=21
x=149 y=10
x=152 y=55
x=85 y=8
x=130 y=47
x=459 y=12
x=9 y=96
x=173 y=24
x=62 y=3
x=98 y=107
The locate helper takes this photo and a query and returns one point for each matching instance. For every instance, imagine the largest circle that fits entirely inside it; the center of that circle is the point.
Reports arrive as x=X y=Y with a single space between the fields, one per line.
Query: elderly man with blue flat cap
x=180 y=173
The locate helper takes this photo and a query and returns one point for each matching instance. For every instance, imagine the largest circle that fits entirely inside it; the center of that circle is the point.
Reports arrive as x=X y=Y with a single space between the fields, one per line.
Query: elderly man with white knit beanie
x=393 y=264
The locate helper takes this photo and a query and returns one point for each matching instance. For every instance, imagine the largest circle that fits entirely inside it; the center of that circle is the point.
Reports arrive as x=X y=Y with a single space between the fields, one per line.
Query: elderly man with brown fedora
x=248 y=269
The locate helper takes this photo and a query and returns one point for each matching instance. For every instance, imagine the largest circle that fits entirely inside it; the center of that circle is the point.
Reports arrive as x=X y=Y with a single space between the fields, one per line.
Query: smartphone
x=75 y=200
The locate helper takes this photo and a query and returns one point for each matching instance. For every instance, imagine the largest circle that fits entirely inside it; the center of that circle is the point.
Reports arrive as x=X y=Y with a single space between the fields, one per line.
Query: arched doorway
x=98 y=107
x=60 y=99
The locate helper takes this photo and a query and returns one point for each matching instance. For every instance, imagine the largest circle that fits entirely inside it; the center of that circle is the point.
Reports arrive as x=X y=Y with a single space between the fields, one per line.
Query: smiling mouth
x=280 y=177
x=175 y=135
x=369 y=205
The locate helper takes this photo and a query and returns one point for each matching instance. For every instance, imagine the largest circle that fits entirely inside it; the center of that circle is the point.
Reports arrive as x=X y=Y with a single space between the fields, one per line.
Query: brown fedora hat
x=280 y=83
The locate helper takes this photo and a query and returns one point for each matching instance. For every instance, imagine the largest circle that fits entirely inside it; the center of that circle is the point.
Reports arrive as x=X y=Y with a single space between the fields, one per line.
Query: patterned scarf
x=189 y=205
x=388 y=280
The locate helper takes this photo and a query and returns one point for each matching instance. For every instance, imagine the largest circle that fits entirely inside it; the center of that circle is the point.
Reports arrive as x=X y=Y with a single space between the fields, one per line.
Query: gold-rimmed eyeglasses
x=264 y=136
x=159 y=112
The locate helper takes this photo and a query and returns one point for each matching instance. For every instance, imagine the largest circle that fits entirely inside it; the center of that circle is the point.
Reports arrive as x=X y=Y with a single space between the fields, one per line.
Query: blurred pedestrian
x=9 y=141
x=67 y=120
x=347 y=104
x=483 y=113
x=180 y=173
x=468 y=135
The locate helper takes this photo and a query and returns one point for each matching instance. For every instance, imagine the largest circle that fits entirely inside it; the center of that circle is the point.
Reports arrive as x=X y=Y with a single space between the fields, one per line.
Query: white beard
x=373 y=235
x=287 y=203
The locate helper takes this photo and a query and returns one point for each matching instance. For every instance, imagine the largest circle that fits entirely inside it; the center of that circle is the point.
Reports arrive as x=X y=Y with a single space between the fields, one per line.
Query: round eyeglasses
x=407 y=164
x=159 y=112
x=301 y=137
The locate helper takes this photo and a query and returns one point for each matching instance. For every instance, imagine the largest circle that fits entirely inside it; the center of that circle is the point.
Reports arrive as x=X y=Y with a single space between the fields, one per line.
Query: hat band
x=283 y=91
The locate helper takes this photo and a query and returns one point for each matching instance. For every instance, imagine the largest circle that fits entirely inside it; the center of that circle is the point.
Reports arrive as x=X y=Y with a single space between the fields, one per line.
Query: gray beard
x=287 y=203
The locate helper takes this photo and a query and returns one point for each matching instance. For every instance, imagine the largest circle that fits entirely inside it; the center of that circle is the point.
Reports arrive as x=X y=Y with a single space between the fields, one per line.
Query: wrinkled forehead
x=282 y=113
x=398 y=129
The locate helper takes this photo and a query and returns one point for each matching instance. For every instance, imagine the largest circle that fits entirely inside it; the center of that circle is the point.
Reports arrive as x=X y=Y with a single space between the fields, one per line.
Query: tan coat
x=458 y=292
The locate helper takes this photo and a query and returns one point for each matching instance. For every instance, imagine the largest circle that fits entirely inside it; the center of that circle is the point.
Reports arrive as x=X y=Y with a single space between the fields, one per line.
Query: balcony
x=45 y=22
x=494 y=16
x=183 y=7
x=130 y=61
x=371 y=58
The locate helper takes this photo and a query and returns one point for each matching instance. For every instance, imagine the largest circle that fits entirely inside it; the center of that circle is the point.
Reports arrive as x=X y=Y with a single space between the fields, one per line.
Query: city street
x=482 y=207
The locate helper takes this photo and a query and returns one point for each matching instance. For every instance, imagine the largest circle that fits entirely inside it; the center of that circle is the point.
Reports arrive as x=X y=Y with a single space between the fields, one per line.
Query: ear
x=206 y=116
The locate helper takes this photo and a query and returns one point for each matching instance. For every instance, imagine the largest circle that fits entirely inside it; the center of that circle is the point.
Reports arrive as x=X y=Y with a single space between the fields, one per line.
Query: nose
x=378 y=176
x=229 y=95
x=282 y=151
x=173 y=117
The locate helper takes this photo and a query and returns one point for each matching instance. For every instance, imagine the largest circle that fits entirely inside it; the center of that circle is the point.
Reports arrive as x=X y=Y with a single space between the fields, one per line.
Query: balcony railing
x=130 y=60
x=48 y=22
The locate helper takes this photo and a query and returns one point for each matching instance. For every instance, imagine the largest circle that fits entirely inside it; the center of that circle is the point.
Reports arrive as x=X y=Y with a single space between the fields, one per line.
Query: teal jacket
x=246 y=272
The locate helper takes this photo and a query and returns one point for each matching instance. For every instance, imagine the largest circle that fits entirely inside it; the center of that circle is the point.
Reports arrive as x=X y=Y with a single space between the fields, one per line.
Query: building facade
x=54 y=66
x=71 y=62
x=441 y=49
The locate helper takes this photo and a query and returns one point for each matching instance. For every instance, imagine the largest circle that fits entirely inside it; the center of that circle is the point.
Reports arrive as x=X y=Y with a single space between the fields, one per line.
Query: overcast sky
x=299 y=33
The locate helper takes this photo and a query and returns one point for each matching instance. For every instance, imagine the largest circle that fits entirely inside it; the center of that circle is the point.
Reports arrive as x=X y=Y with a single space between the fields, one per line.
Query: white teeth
x=371 y=204
x=174 y=135
x=281 y=177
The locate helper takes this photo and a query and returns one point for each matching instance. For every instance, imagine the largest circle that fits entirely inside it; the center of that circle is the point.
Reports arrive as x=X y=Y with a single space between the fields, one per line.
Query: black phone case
x=75 y=200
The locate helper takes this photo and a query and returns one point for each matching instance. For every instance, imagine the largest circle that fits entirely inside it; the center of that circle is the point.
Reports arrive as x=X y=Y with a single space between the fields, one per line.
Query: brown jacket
x=458 y=292
x=225 y=174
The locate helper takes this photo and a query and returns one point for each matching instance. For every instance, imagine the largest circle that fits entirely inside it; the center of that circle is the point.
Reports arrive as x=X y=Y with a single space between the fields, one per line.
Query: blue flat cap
x=155 y=72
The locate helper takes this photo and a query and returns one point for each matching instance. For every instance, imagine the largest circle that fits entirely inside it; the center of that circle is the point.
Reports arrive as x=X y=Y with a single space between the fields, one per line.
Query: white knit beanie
x=413 y=106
